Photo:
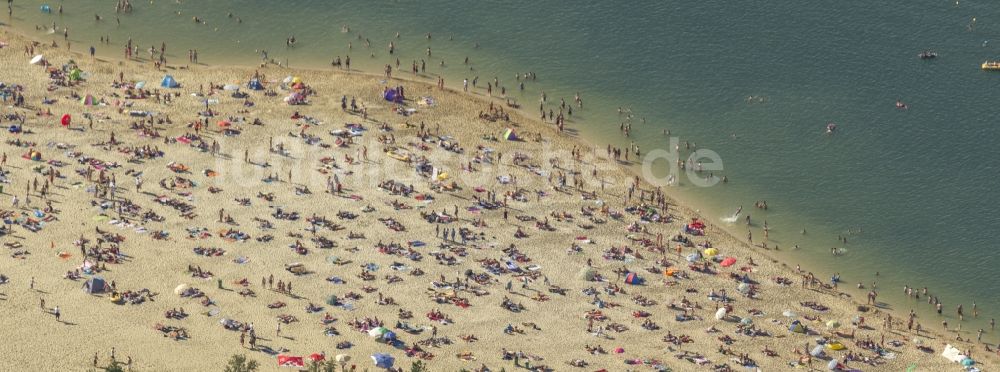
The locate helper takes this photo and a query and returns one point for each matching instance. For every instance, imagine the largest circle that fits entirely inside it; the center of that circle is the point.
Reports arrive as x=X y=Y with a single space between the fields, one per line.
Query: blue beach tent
x=169 y=82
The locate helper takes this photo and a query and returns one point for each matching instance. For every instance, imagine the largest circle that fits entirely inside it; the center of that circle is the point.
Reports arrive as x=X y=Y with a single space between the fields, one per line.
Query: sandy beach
x=477 y=236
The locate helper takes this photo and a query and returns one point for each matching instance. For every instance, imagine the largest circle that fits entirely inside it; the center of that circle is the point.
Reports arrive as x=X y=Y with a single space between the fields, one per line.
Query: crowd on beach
x=478 y=237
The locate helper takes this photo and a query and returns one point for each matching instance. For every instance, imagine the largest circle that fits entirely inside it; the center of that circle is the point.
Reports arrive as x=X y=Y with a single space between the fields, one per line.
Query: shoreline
x=685 y=209
x=814 y=259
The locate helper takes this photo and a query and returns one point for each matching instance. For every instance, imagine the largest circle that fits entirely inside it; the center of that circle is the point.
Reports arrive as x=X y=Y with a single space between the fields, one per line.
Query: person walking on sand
x=55 y=311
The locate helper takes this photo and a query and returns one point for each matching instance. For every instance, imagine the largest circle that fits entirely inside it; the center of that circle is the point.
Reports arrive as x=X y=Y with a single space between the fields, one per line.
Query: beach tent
x=797 y=327
x=392 y=95
x=817 y=351
x=389 y=336
x=290 y=361
x=95 y=285
x=383 y=360
x=45 y=8
x=833 y=365
x=835 y=345
x=510 y=135
x=180 y=289
x=76 y=74
x=377 y=332
x=693 y=257
x=255 y=84
x=632 y=278
x=169 y=82
x=728 y=261
x=88 y=100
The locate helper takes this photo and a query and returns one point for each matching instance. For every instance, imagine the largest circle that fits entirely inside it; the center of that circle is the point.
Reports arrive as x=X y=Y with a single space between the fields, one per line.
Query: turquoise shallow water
x=918 y=183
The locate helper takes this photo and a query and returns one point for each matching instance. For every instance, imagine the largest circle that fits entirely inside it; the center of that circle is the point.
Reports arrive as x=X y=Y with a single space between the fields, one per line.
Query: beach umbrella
x=140 y=85
x=342 y=358
x=231 y=87
x=316 y=357
x=37 y=59
x=296 y=80
x=789 y=313
x=711 y=252
x=720 y=314
x=66 y=120
x=918 y=341
x=389 y=336
x=224 y=124
x=383 y=360
x=88 y=100
x=287 y=79
x=832 y=324
x=746 y=321
x=587 y=274
x=692 y=257
x=180 y=289
x=728 y=261
x=619 y=350
x=968 y=362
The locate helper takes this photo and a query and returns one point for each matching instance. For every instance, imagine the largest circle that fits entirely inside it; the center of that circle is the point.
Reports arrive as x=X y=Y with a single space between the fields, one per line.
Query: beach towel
x=290 y=361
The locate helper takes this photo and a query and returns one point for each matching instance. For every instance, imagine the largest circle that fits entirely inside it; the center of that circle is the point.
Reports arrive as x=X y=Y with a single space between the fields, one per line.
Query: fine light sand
x=34 y=340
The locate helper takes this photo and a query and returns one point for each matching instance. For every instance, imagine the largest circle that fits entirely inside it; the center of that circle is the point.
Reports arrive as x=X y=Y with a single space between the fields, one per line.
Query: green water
x=917 y=182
